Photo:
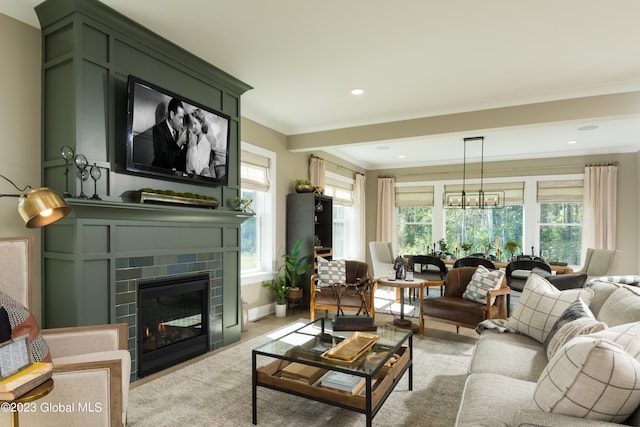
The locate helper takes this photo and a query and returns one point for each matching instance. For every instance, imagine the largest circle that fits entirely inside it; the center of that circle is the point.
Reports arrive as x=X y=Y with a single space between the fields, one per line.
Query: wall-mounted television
x=172 y=137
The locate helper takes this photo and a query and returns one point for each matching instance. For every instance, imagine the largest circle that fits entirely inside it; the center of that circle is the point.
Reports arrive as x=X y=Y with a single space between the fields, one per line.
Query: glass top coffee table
x=351 y=370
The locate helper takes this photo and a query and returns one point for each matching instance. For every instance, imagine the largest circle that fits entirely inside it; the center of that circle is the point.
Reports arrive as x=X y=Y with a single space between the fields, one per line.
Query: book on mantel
x=25 y=380
x=341 y=381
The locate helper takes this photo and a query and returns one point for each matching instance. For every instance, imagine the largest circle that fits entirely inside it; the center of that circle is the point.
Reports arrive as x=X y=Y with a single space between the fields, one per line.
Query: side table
x=402 y=284
x=33 y=394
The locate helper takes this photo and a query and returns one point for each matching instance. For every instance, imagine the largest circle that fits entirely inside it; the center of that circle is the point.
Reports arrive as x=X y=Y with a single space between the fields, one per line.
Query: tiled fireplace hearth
x=96 y=257
x=131 y=271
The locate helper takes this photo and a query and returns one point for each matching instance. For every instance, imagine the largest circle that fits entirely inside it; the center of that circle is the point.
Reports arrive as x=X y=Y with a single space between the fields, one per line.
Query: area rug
x=216 y=391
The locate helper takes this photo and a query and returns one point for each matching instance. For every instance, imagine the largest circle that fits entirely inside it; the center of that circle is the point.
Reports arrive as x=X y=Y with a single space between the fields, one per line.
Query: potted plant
x=466 y=247
x=303 y=185
x=443 y=247
x=280 y=289
x=511 y=246
x=288 y=277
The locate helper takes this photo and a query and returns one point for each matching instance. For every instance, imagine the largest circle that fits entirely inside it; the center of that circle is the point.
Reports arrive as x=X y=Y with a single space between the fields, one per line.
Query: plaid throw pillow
x=590 y=378
x=541 y=305
x=482 y=281
x=331 y=272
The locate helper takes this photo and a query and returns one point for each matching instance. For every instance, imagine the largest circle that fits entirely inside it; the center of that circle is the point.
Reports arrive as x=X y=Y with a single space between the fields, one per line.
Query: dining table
x=558 y=269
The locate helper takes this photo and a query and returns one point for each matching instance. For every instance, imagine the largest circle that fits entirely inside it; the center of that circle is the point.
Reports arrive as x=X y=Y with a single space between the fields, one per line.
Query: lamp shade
x=42 y=206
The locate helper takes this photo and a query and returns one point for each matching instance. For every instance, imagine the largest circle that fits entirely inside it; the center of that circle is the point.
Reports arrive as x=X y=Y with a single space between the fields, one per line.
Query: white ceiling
x=413 y=58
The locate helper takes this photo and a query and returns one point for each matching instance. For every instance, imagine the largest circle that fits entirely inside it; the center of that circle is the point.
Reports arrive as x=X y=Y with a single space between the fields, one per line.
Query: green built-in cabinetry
x=89 y=50
x=310 y=218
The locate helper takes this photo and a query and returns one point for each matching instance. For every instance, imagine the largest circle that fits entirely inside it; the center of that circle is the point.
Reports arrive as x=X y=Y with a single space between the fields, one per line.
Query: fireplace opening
x=173 y=321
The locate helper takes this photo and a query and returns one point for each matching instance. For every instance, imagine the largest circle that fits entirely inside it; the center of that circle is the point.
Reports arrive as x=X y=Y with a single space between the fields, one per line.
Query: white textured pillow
x=482 y=281
x=570 y=330
x=331 y=272
x=541 y=305
x=626 y=336
x=590 y=378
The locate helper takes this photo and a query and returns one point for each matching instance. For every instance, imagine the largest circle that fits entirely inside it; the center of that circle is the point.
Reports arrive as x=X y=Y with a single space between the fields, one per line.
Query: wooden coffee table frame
x=368 y=403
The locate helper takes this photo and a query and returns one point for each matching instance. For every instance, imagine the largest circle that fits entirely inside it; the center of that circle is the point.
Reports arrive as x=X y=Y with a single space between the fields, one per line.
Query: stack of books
x=346 y=382
x=301 y=372
x=25 y=380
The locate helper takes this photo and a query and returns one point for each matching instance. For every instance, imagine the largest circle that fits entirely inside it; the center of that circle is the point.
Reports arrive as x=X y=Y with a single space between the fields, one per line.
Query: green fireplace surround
x=93 y=258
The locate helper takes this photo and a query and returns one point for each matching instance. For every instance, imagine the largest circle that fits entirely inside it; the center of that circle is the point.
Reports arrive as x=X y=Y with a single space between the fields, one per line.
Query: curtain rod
x=588 y=165
x=313 y=156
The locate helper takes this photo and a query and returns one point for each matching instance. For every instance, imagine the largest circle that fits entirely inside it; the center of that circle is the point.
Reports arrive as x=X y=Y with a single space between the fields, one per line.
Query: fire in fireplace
x=173 y=321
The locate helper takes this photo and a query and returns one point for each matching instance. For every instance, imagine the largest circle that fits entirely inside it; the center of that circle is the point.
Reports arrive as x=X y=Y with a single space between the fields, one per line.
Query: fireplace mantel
x=113 y=210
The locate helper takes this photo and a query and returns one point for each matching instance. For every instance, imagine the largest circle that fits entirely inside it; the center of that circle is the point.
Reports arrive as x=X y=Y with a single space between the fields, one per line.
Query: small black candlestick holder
x=81 y=164
x=95 y=173
x=67 y=155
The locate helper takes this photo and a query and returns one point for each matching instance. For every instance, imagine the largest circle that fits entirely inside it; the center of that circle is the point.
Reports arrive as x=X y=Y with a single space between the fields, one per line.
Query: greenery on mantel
x=176 y=194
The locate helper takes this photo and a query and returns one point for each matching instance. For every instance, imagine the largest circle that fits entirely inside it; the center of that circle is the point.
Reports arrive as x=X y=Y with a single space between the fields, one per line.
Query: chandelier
x=474 y=198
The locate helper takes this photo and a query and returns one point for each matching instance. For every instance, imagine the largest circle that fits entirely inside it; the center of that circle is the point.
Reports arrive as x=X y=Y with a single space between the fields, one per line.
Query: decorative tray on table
x=351 y=348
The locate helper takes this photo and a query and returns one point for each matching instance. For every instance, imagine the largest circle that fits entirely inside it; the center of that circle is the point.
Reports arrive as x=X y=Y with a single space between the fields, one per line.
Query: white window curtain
x=316 y=172
x=600 y=206
x=386 y=221
x=360 y=217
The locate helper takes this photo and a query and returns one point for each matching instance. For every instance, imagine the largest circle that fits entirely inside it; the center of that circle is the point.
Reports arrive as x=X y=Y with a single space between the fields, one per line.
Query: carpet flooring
x=216 y=391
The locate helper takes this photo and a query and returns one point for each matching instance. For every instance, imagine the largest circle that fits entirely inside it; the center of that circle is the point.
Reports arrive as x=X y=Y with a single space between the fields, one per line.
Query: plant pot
x=281 y=310
x=304 y=188
x=294 y=293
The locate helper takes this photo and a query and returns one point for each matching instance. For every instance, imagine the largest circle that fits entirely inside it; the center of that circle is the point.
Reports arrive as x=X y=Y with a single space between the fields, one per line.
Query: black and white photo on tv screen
x=172 y=137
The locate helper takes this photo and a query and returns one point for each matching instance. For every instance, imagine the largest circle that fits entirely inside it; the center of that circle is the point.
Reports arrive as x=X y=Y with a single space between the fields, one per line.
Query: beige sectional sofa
x=513 y=383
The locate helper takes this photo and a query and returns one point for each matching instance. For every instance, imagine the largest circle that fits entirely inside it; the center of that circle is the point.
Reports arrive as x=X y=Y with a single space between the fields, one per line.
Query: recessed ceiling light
x=357 y=91
x=572 y=142
x=588 y=127
x=401 y=156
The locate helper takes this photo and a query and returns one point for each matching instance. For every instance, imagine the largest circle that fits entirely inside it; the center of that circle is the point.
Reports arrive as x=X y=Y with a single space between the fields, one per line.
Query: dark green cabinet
x=310 y=218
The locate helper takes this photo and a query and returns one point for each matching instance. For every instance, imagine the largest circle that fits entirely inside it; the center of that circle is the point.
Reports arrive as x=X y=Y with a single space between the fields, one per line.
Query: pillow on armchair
x=22 y=322
x=482 y=281
x=331 y=272
x=563 y=281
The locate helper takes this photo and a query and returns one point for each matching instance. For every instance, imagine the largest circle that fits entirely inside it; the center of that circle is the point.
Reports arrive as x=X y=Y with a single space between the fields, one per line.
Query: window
x=256 y=233
x=560 y=220
x=414 y=230
x=340 y=188
x=486 y=230
x=414 y=225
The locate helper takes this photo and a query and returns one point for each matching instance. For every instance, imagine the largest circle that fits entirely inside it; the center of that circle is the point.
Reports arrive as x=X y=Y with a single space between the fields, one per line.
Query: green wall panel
x=158 y=238
x=59 y=238
x=95 y=239
x=96 y=295
x=59 y=43
x=95 y=44
x=59 y=293
x=93 y=118
x=59 y=120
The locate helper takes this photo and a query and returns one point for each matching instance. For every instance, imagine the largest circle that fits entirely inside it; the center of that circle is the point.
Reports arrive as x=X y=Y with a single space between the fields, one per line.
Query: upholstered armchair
x=601 y=262
x=91 y=364
x=453 y=308
x=326 y=298
x=382 y=258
